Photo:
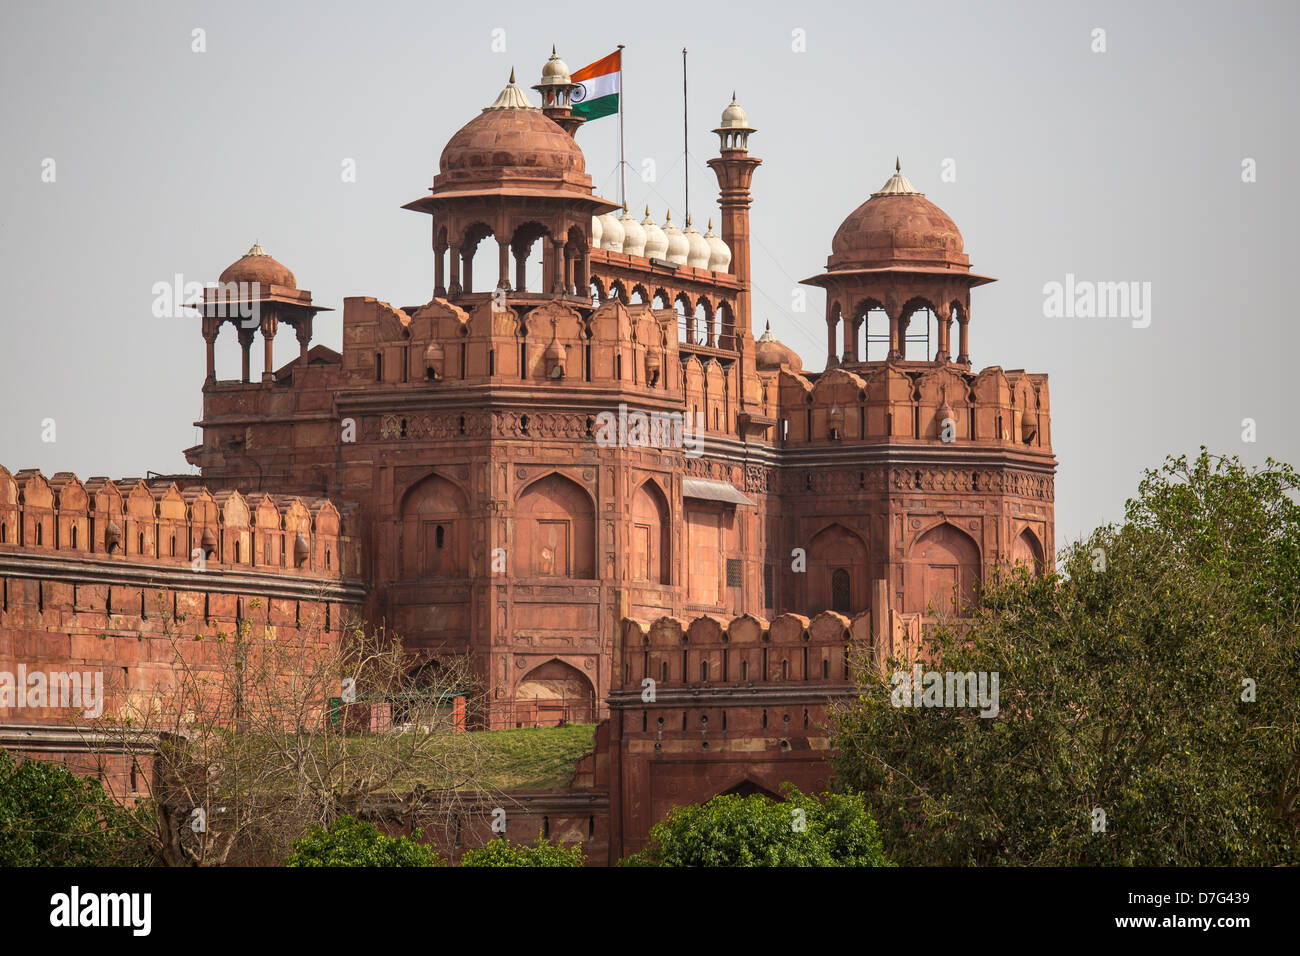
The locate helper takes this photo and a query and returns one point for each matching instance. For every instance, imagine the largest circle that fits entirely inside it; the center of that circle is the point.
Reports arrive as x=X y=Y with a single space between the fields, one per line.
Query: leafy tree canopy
x=542 y=853
x=352 y=842
x=1149 y=694
x=754 y=830
x=51 y=817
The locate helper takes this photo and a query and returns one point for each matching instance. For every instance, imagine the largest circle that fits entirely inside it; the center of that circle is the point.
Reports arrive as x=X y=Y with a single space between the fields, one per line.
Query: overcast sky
x=1117 y=166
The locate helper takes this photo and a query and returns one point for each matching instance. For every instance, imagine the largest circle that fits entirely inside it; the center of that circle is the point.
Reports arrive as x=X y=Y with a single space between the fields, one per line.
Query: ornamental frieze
x=431 y=427
x=936 y=480
x=992 y=480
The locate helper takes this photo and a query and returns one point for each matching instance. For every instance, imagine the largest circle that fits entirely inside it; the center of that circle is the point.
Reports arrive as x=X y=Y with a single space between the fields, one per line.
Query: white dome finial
x=897 y=184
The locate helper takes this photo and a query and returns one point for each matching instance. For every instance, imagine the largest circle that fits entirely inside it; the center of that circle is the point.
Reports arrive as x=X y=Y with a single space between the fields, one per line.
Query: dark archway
x=552 y=695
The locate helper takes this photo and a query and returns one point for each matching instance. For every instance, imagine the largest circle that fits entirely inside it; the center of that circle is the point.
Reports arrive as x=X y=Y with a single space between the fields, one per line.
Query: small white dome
x=555 y=70
x=633 y=235
x=596 y=231
x=733 y=117
x=698 y=253
x=611 y=233
x=719 y=252
x=679 y=247
x=656 y=243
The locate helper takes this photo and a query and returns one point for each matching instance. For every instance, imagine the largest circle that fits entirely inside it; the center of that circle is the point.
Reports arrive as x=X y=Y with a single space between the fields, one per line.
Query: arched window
x=836 y=555
x=840 y=599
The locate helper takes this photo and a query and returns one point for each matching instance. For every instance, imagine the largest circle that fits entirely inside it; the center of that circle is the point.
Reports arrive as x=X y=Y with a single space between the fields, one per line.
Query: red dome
x=521 y=142
x=771 y=354
x=898 y=227
x=257 y=266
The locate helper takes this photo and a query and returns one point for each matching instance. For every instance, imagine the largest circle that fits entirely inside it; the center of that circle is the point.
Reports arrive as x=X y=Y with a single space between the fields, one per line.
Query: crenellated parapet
x=942 y=405
x=168 y=522
x=791 y=652
x=115 y=582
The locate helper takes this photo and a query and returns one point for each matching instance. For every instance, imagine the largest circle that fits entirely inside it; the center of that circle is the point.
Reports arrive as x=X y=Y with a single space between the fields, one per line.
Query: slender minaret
x=556 y=87
x=735 y=169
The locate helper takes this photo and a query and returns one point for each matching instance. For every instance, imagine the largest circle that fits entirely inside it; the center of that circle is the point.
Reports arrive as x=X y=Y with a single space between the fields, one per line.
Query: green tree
x=801 y=830
x=542 y=853
x=1155 y=679
x=353 y=842
x=51 y=817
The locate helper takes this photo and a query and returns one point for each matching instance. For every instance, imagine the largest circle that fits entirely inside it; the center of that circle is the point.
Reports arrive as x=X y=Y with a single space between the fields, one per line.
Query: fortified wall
x=99 y=577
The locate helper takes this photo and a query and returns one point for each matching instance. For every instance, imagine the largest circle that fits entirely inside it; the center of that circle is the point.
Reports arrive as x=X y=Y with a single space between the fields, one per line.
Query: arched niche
x=837 y=571
x=556 y=530
x=1027 y=551
x=944 y=572
x=554 y=693
x=434 y=539
x=651 y=535
x=748 y=788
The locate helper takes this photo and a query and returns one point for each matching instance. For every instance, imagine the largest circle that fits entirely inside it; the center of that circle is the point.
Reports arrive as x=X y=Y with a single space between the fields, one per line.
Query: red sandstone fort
x=445 y=474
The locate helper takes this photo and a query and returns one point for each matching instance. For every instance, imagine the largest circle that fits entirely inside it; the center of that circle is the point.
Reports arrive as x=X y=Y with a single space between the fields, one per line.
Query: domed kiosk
x=255 y=293
x=515 y=174
x=900 y=253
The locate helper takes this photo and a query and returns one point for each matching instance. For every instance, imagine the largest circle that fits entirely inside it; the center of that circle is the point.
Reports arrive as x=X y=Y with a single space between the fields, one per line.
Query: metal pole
x=686 y=158
x=622 y=161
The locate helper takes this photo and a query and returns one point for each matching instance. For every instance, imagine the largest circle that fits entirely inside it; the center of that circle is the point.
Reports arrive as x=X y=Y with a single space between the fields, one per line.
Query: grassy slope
x=535 y=758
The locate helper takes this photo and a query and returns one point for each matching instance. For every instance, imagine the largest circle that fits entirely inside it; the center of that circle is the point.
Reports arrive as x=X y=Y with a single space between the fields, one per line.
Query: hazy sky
x=1116 y=166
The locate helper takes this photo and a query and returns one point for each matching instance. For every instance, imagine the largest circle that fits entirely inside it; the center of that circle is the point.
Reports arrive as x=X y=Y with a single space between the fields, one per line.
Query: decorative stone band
x=85 y=571
x=51 y=739
x=733 y=694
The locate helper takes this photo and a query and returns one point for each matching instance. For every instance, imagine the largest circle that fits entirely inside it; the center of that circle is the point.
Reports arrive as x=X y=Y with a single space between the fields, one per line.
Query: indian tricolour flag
x=599 y=87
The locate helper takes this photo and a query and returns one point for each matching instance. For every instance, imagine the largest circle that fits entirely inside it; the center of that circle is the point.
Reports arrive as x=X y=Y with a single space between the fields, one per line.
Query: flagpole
x=686 y=158
x=622 y=160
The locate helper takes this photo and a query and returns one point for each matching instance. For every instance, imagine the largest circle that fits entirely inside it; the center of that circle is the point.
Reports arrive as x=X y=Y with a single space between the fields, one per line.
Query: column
x=210 y=331
x=454 y=288
x=850 y=339
x=831 y=361
x=303 y=331
x=467 y=271
x=245 y=345
x=269 y=326
x=439 y=288
x=559 y=271
x=503 y=265
x=895 y=337
x=963 y=352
